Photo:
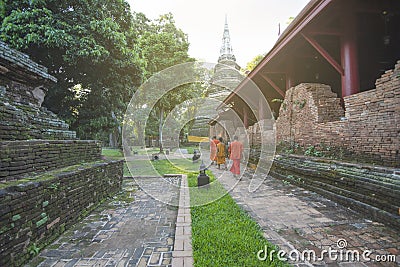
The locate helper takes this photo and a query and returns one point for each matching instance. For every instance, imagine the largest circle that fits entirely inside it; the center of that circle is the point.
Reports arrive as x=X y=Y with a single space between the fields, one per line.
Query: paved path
x=141 y=232
x=122 y=232
x=294 y=218
x=182 y=256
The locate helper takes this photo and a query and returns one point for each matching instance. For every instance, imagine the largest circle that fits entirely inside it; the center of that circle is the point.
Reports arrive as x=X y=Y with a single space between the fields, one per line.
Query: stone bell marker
x=48 y=178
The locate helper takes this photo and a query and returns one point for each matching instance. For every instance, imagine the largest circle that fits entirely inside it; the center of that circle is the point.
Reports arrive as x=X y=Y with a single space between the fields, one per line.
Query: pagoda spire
x=226 y=52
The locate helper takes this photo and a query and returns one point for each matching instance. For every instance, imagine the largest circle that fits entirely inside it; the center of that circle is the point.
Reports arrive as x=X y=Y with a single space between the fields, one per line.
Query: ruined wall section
x=306 y=107
x=23 y=86
x=374 y=119
x=311 y=115
x=48 y=179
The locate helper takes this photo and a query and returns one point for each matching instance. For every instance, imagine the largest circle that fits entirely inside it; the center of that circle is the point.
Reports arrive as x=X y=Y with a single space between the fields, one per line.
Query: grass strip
x=115 y=154
x=223 y=234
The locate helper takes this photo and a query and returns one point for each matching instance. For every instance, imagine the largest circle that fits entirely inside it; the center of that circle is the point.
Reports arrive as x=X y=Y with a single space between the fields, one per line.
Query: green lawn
x=222 y=233
x=112 y=153
x=115 y=154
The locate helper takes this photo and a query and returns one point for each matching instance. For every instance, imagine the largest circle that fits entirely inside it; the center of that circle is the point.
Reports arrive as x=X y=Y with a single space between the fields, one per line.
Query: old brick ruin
x=48 y=178
x=366 y=177
x=311 y=115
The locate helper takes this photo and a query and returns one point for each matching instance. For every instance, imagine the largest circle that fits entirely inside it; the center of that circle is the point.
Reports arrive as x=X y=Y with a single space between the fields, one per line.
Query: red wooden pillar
x=245 y=118
x=349 y=53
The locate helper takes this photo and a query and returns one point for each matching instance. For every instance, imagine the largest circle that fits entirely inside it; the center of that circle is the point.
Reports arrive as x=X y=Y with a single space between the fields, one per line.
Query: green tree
x=89 y=45
x=253 y=63
x=164 y=45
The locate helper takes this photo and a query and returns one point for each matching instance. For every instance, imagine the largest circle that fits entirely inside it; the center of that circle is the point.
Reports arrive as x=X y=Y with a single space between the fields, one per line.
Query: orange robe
x=213 y=150
x=221 y=155
x=235 y=153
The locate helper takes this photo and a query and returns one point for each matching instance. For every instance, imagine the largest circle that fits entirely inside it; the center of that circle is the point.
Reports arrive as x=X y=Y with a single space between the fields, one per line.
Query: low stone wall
x=371 y=190
x=34 y=213
x=311 y=115
x=21 y=158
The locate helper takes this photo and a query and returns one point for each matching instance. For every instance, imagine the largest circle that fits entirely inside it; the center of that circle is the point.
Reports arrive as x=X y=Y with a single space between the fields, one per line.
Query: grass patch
x=190 y=149
x=144 y=150
x=112 y=153
x=115 y=154
x=222 y=233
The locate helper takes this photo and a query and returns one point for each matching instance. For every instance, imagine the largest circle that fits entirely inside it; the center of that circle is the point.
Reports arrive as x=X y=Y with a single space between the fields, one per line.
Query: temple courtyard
x=134 y=229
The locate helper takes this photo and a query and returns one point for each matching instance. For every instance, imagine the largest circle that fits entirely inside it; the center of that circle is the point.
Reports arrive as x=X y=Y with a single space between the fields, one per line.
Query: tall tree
x=164 y=45
x=89 y=45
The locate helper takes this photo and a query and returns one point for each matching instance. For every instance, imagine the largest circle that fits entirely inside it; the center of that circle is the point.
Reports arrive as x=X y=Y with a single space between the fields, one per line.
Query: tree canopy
x=254 y=62
x=99 y=51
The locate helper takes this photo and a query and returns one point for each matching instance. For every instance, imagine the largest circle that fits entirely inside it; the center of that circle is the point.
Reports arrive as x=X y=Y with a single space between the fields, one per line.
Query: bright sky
x=253 y=24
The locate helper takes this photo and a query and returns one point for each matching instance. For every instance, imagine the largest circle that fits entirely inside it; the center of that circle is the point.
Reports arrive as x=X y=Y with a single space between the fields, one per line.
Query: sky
x=253 y=24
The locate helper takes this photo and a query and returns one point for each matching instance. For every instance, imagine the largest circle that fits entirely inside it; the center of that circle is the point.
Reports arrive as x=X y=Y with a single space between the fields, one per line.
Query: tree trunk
x=112 y=140
x=160 y=128
x=141 y=140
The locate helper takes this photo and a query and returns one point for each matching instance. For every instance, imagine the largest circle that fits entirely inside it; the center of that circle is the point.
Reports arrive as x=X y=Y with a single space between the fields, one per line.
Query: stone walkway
x=294 y=218
x=136 y=230
x=182 y=255
x=132 y=230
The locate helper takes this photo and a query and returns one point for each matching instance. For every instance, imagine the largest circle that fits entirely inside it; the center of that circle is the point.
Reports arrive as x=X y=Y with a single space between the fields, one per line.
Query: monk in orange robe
x=213 y=149
x=221 y=153
x=235 y=154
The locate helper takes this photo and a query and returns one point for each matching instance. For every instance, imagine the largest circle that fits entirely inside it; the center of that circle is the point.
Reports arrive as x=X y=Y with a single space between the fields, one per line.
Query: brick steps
x=19 y=121
x=49 y=183
x=377 y=190
x=347 y=176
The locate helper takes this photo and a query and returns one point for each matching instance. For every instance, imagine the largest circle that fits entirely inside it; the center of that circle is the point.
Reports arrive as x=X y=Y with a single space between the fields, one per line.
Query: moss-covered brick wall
x=49 y=180
x=22 y=121
x=21 y=158
x=368 y=189
x=34 y=213
x=368 y=129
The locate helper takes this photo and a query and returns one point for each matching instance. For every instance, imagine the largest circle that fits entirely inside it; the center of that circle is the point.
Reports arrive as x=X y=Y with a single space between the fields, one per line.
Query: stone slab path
x=294 y=218
x=182 y=255
x=132 y=230
x=135 y=229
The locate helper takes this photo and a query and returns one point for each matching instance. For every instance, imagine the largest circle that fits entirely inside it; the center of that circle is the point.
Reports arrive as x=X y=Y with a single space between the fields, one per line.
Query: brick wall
x=46 y=182
x=311 y=115
x=22 y=121
x=22 y=158
x=374 y=191
x=23 y=85
x=20 y=66
x=37 y=212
